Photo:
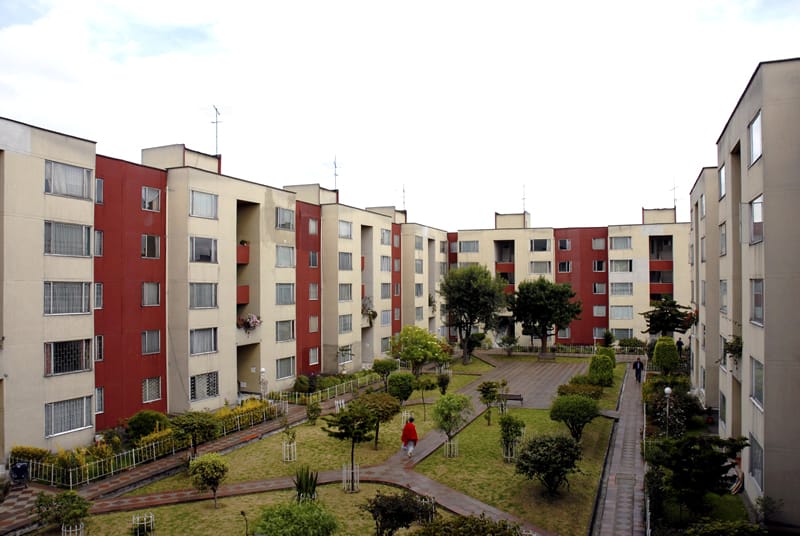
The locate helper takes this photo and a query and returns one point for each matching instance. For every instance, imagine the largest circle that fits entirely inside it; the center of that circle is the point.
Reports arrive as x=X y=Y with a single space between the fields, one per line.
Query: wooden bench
x=508 y=396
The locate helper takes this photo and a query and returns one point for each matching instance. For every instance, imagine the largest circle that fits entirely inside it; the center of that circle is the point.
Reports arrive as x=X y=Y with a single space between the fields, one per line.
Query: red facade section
x=397 y=278
x=308 y=274
x=587 y=273
x=124 y=368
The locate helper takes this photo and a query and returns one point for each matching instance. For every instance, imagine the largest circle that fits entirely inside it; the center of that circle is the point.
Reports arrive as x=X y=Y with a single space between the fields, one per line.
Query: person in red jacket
x=409 y=437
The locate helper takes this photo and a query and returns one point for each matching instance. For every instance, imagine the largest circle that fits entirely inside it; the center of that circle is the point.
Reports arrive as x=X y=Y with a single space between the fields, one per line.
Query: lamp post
x=667 y=392
x=262 y=383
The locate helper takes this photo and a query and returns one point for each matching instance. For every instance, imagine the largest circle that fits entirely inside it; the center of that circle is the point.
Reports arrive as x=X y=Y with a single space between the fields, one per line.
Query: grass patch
x=475 y=366
x=480 y=472
x=457 y=382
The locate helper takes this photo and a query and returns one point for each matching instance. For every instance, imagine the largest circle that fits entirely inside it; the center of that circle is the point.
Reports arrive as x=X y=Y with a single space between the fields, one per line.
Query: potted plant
x=248 y=322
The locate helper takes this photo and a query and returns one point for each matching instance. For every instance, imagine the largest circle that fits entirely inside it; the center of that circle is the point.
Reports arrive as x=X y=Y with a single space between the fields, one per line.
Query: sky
x=579 y=112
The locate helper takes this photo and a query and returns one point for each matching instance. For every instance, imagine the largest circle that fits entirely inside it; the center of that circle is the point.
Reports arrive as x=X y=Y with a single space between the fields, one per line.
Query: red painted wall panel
x=306 y=275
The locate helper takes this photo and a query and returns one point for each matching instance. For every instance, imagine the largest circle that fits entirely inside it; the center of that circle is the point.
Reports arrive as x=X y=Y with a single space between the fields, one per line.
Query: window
x=386 y=263
x=203 y=249
x=757 y=381
x=397 y=289
x=345 y=323
x=702 y=205
x=621 y=265
x=598 y=266
x=721 y=182
x=313 y=226
x=397 y=313
x=702 y=292
x=313 y=291
x=98 y=243
x=151 y=294
x=202 y=341
x=564 y=266
x=723 y=408
x=396 y=240
x=418 y=243
x=99 y=348
x=151 y=199
x=386 y=291
x=622 y=333
x=345 y=260
x=540 y=267
x=313 y=259
x=99 y=400
x=284 y=256
x=313 y=324
x=702 y=249
x=599 y=310
x=757 y=220
x=564 y=244
x=443 y=246
x=67 y=416
x=598 y=333
x=284 y=219
x=723 y=296
x=620 y=242
x=284 y=330
x=151 y=247
x=151 y=389
x=63 y=179
x=202 y=295
x=386 y=345
x=540 y=244
x=397 y=265
x=756 y=468
x=284 y=293
x=723 y=240
x=98 y=295
x=98 y=191
x=151 y=342
x=345 y=229
x=386 y=317
x=203 y=205
x=418 y=290
x=66 y=298
x=284 y=368
x=598 y=288
x=468 y=246
x=598 y=244
x=723 y=355
x=204 y=386
x=622 y=312
x=66 y=239
x=345 y=292
x=564 y=333
x=64 y=357
x=418 y=266
x=345 y=354
x=757 y=301
x=622 y=289
x=386 y=237
x=418 y=313
x=755 y=138
x=313 y=356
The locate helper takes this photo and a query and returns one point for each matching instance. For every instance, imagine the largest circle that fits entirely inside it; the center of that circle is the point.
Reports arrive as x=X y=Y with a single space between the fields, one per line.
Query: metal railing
x=350 y=386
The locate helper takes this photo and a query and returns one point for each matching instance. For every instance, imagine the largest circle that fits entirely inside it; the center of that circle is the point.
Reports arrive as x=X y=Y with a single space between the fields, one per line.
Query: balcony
x=504 y=267
x=248 y=336
x=661 y=288
x=660 y=266
x=242 y=294
x=242 y=254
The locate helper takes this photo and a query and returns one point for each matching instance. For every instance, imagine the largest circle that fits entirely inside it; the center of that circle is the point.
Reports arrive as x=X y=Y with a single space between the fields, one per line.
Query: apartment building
x=746 y=280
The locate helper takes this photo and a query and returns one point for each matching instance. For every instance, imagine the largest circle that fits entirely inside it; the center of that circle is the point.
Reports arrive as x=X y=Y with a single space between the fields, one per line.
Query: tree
x=355 y=423
x=394 y=512
x=198 y=426
x=549 y=459
x=668 y=316
x=384 y=367
x=665 y=355
x=443 y=381
x=488 y=396
x=425 y=383
x=544 y=307
x=473 y=297
x=401 y=385
x=508 y=343
x=468 y=526
x=450 y=413
x=67 y=509
x=417 y=346
x=305 y=518
x=384 y=406
x=207 y=472
x=576 y=411
x=510 y=429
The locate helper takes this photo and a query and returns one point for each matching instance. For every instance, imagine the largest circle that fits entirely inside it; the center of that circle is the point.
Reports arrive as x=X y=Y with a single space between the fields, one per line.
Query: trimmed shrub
x=145 y=422
x=591 y=391
x=665 y=355
x=302 y=384
x=575 y=411
x=601 y=370
x=34 y=454
x=632 y=342
x=608 y=351
x=549 y=459
x=580 y=379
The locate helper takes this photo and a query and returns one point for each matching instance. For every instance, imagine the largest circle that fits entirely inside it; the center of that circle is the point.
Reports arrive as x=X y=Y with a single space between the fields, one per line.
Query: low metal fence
x=335 y=391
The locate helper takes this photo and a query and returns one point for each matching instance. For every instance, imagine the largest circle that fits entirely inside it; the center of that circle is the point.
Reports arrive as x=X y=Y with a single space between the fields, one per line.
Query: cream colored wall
x=512 y=221
x=368 y=225
x=430 y=279
x=658 y=215
x=640 y=277
x=313 y=193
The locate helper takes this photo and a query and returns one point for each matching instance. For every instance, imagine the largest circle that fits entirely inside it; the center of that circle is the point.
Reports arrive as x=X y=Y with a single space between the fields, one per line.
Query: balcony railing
x=242 y=294
x=242 y=254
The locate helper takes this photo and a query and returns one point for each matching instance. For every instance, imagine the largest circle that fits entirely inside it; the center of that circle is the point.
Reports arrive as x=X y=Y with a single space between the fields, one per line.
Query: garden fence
x=350 y=386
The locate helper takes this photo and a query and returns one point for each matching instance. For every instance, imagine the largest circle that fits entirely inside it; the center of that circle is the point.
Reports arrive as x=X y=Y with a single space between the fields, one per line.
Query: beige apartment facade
x=424 y=264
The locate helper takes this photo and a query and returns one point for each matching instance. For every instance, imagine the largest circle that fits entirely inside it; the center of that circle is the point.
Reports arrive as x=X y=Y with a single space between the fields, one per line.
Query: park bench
x=507 y=397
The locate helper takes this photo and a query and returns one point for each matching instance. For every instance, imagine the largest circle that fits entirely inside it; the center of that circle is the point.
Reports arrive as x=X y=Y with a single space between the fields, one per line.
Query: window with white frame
x=99 y=400
x=540 y=244
x=202 y=295
x=67 y=180
x=757 y=301
x=386 y=263
x=284 y=219
x=284 y=293
x=98 y=243
x=151 y=341
x=345 y=354
x=622 y=333
x=66 y=239
x=284 y=256
x=345 y=292
x=418 y=266
x=723 y=239
x=203 y=205
x=313 y=226
x=564 y=267
x=284 y=330
x=386 y=317
x=284 y=367
x=313 y=291
x=621 y=265
x=598 y=244
x=619 y=242
x=345 y=323
x=202 y=249
x=202 y=341
x=598 y=265
x=757 y=220
x=151 y=247
x=64 y=357
x=443 y=246
x=67 y=416
x=66 y=298
x=397 y=313
x=151 y=199
x=756 y=468
x=98 y=295
x=204 y=386
x=624 y=288
x=418 y=313
x=757 y=381
x=702 y=292
x=702 y=249
x=418 y=243
x=151 y=389
x=386 y=345
x=99 y=348
x=418 y=290
x=151 y=294
x=723 y=295
x=396 y=240
x=313 y=259
x=313 y=324
x=564 y=244
x=345 y=260
x=98 y=191
x=397 y=289
x=598 y=310
x=702 y=205
x=622 y=312
x=386 y=237
x=755 y=138
x=345 y=229
x=386 y=291
x=313 y=356
x=598 y=288
x=598 y=333
x=564 y=333
x=540 y=267
x=721 y=181
x=468 y=246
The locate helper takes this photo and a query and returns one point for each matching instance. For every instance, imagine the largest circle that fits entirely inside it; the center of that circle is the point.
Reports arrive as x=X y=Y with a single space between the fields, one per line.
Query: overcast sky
x=580 y=112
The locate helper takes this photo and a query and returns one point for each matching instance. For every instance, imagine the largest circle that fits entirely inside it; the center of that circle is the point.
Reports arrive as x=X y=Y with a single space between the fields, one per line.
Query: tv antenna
x=523 y=199
x=216 y=123
x=335 y=172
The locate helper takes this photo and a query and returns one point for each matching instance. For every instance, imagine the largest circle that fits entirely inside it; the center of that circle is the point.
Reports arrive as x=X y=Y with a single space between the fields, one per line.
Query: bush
x=580 y=379
x=510 y=429
x=591 y=391
x=607 y=351
x=394 y=512
x=305 y=483
x=576 y=411
x=469 y=526
x=549 y=459
x=67 y=508
x=33 y=454
x=313 y=411
x=401 y=385
x=302 y=384
x=708 y=527
x=306 y=518
x=601 y=370
x=665 y=355
x=146 y=422
x=443 y=381
x=632 y=342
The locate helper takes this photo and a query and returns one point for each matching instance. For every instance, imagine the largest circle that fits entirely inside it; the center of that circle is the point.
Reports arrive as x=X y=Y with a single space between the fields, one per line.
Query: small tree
x=207 y=472
x=510 y=430
x=384 y=367
x=576 y=411
x=608 y=338
x=443 y=381
x=451 y=412
x=313 y=411
x=401 y=385
x=549 y=459
x=394 y=512
x=488 y=396
x=665 y=355
x=66 y=509
x=355 y=423
x=417 y=346
x=384 y=406
x=667 y=317
x=425 y=383
x=508 y=343
x=198 y=426
x=309 y=518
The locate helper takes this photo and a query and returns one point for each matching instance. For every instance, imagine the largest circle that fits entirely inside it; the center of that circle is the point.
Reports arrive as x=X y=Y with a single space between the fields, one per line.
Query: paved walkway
x=621 y=495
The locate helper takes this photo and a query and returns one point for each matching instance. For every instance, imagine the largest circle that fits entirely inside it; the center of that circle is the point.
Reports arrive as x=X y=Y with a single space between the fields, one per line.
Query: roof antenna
x=335 y=172
x=523 y=199
x=404 y=197
x=216 y=123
